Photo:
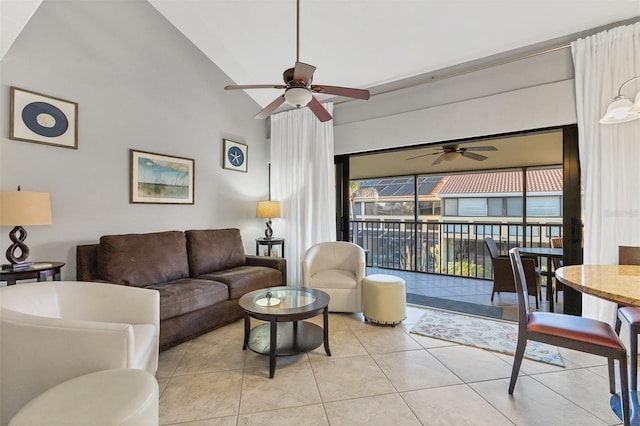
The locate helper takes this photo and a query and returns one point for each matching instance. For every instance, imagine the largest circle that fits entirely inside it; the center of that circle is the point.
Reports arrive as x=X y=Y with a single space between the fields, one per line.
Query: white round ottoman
x=384 y=299
x=122 y=396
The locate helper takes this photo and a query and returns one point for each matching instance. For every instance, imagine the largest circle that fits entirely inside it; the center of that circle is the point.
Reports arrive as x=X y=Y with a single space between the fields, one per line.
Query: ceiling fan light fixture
x=621 y=109
x=298 y=96
x=451 y=155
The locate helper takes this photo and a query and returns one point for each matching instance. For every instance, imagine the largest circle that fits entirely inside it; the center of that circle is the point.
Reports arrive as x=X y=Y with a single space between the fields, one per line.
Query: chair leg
x=618 y=320
x=517 y=362
x=549 y=292
x=624 y=391
x=612 y=376
x=633 y=354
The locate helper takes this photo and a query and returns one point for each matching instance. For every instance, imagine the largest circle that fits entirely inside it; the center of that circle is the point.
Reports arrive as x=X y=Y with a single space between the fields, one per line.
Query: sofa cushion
x=143 y=259
x=243 y=279
x=212 y=250
x=187 y=295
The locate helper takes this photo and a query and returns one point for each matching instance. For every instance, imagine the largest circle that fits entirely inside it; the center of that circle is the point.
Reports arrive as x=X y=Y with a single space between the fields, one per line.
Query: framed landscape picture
x=43 y=119
x=161 y=179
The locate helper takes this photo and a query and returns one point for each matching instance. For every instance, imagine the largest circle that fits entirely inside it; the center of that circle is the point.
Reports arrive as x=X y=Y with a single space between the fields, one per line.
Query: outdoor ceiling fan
x=453 y=152
x=298 y=88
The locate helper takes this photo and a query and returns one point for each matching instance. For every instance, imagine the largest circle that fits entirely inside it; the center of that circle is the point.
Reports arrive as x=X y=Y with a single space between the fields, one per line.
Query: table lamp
x=19 y=208
x=268 y=210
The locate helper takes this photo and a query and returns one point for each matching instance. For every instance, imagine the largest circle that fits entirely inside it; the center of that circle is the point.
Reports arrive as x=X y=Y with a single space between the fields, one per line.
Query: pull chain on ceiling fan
x=298 y=88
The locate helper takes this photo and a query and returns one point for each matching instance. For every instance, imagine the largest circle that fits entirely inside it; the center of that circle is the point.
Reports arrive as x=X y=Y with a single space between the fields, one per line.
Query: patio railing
x=448 y=248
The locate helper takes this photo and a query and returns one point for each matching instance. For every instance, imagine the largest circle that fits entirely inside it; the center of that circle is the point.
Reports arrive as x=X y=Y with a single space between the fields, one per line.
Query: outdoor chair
x=556 y=242
x=628 y=255
x=503 y=277
x=567 y=331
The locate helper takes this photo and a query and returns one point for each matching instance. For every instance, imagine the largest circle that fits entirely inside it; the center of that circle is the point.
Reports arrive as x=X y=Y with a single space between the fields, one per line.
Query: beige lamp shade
x=22 y=208
x=268 y=209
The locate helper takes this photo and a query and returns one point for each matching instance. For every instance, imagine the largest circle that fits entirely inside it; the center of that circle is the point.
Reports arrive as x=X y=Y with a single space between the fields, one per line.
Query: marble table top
x=616 y=283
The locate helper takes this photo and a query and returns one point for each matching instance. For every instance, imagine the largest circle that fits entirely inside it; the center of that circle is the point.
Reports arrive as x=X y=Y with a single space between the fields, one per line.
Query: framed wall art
x=39 y=118
x=235 y=155
x=161 y=179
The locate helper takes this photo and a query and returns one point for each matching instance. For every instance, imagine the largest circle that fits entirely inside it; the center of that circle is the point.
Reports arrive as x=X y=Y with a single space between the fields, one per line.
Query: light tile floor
x=376 y=376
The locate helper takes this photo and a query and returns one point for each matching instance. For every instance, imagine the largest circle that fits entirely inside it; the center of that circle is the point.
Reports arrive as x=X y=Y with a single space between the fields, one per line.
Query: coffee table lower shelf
x=308 y=337
x=292 y=338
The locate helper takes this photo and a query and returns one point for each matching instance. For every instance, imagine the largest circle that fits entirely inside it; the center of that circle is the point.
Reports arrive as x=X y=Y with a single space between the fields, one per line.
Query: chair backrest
x=628 y=255
x=521 y=288
x=493 y=248
x=556 y=242
x=334 y=255
x=41 y=300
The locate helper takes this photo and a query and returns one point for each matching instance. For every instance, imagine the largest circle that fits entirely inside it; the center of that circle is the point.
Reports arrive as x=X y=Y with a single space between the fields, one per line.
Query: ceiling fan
x=453 y=152
x=298 y=88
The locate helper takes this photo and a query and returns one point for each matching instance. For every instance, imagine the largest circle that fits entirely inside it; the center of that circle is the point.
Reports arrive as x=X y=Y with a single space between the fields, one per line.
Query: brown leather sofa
x=200 y=275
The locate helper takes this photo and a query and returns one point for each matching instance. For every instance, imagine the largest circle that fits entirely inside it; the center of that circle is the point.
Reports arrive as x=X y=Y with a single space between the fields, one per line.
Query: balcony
x=446 y=264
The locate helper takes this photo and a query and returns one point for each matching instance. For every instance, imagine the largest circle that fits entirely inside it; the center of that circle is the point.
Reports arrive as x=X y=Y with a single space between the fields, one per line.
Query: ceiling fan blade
x=424 y=155
x=473 y=156
x=481 y=148
x=341 y=91
x=438 y=160
x=255 y=86
x=303 y=73
x=320 y=112
x=270 y=108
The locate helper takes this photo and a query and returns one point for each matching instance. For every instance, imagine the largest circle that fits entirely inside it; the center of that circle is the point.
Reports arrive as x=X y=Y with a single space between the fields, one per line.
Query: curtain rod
x=563 y=44
x=473 y=69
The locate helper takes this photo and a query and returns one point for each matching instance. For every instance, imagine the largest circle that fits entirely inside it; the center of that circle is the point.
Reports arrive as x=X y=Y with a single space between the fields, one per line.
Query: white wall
x=139 y=84
x=530 y=93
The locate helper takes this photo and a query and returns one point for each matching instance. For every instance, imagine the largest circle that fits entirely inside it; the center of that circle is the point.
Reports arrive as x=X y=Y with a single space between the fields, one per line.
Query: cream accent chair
x=337 y=268
x=54 y=331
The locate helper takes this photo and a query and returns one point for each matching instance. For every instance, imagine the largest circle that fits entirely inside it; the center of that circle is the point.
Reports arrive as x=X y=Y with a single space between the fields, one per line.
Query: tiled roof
x=545 y=180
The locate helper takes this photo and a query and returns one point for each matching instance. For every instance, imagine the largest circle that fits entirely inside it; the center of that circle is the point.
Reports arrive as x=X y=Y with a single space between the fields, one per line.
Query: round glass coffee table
x=286 y=333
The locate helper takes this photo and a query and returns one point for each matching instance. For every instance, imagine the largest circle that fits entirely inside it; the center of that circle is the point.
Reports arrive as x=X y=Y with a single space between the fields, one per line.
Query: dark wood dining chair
x=556 y=242
x=629 y=255
x=567 y=331
x=503 y=277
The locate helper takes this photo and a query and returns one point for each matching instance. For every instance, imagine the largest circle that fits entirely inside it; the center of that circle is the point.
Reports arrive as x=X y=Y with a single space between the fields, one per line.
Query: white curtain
x=609 y=154
x=304 y=182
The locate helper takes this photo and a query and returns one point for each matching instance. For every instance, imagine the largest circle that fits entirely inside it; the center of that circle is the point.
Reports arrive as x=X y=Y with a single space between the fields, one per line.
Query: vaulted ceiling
x=360 y=43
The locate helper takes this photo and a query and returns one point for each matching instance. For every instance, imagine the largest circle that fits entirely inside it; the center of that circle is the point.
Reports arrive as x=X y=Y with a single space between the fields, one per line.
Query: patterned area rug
x=489 y=334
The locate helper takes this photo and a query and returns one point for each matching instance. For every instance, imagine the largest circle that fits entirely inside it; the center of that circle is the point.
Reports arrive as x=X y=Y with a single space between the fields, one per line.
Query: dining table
x=549 y=254
x=615 y=283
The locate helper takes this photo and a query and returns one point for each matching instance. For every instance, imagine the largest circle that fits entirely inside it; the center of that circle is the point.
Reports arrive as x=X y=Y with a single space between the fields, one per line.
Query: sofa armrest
x=278 y=263
x=87 y=262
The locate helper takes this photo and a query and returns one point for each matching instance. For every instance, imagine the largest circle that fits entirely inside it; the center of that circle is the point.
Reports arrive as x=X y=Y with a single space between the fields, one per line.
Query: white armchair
x=53 y=331
x=337 y=268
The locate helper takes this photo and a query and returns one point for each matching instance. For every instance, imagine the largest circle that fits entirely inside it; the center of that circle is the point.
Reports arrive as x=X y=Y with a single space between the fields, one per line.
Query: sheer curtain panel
x=304 y=182
x=609 y=154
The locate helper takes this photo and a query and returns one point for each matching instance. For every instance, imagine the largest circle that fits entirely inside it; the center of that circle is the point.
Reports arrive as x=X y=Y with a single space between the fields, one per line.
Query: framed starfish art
x=235 y=155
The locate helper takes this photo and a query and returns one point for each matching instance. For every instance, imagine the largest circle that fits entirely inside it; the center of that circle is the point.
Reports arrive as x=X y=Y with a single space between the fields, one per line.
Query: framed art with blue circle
x=235 y=155
x=39 y=118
